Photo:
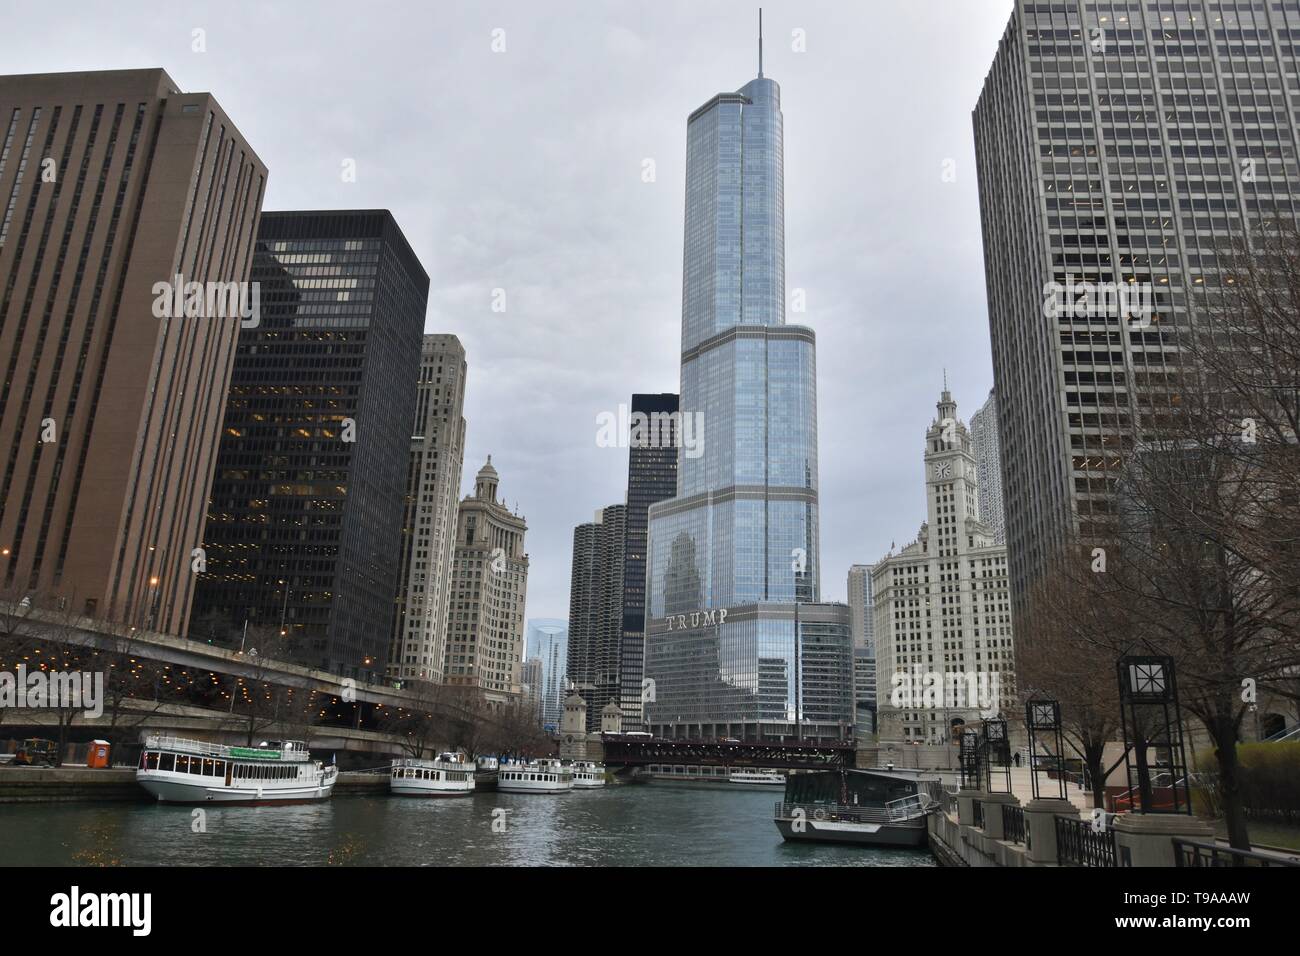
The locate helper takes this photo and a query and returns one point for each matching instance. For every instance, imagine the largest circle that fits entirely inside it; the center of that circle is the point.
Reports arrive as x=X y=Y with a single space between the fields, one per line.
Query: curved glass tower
x=734 y=551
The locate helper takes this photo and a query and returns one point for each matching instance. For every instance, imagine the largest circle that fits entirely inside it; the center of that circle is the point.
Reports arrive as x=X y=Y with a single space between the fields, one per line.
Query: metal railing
x=1283 y=735
x=1013 y=823
x=906 y=808
x=1197 y=853
x=1078 y=844
x=186 y=745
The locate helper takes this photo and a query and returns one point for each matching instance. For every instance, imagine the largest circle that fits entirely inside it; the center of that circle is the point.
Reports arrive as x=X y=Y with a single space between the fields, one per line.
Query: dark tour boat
x=865 y=807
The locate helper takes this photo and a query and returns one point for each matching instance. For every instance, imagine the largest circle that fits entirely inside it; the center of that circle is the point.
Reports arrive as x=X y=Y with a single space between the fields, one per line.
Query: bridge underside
x=836 y=755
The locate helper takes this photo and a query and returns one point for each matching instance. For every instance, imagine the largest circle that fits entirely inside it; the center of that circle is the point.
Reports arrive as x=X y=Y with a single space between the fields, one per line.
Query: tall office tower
x=1119 y=142
x=111 y=184
x=942 y=611
x=862 y=621
x=596 y=610
x=651 y=477
x=988 y=463
x=860 y=601
x=428 y=533
x=548 y=641
x=305 y=524
x=735 y=552
x=489 y=585
x=530 y=686
x=865 y=701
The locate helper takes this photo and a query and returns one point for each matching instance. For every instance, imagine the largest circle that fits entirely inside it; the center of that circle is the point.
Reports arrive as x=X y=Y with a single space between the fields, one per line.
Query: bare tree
x=1202 y=561
x=259 y=699
x=1063 y=656
x=422 y=724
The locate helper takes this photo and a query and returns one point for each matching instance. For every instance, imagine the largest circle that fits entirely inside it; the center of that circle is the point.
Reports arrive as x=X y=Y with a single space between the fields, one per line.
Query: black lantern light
x=1154 y=757
x=1043 y=720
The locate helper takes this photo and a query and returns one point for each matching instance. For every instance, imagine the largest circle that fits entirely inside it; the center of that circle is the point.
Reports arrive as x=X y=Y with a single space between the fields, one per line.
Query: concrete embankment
x=77 y=784
x=353 y=784
x=68 y=784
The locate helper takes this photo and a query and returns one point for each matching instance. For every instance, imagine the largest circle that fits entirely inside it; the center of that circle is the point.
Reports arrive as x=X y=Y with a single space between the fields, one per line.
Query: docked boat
x=756 y=778
x=180 y=770
x=536 y=776
x=588 y=775
x=485 y=773
x=864 y=807
x=450 y=775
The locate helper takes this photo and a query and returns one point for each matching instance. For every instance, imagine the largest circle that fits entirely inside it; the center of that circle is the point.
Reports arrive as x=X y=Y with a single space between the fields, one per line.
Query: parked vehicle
x=37 y=751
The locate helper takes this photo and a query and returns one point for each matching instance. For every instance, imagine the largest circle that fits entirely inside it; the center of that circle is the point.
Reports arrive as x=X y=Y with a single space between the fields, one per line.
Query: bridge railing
x=1198 y=853
x=1078 y=844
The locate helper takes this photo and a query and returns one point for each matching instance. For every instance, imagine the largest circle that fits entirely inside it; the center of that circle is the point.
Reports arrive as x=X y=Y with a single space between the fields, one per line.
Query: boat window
x=167 y=762
x=151 y=760
x=182 y=763
x=220 y=768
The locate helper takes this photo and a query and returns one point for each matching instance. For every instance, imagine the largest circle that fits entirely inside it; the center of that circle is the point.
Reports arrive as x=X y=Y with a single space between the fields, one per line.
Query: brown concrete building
x=110 y=184
x=489 y=588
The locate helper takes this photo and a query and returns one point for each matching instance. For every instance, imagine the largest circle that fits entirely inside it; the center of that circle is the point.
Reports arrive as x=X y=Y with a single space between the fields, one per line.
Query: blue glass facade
x=741 y=534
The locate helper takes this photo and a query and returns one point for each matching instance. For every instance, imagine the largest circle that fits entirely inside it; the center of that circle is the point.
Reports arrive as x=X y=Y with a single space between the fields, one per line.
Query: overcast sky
x=522 y=170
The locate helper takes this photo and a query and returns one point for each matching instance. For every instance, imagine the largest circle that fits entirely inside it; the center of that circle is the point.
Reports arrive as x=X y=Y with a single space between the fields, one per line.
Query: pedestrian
x=1017 y=758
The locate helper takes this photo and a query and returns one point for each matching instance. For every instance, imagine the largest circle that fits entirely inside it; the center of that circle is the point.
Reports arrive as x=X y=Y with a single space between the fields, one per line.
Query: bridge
x=628 y=751
x=194 y=687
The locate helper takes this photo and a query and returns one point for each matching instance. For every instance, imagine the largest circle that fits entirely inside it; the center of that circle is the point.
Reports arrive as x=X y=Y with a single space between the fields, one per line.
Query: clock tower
x=942 y=609
x=951 y=482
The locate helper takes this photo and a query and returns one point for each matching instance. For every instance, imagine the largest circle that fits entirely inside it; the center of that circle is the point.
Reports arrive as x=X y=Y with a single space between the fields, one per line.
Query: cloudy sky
x=522 y=170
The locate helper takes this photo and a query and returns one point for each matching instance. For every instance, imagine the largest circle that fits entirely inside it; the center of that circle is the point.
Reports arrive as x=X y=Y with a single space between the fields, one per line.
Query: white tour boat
x=179 y=770
x=587 y=775
x=485 y=773
x=756 y=778
x=536 y=776
x=451 y=775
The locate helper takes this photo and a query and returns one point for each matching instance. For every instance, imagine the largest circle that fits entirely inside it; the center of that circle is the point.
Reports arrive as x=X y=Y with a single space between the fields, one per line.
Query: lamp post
x=1151 y=721
x=284 y=610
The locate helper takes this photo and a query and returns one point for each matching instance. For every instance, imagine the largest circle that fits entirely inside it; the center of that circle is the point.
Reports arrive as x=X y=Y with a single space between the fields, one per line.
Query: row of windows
x=213 y=767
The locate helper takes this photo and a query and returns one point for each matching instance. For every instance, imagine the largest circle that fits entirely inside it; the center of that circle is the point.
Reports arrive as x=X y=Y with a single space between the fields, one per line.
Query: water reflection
x=649 y=825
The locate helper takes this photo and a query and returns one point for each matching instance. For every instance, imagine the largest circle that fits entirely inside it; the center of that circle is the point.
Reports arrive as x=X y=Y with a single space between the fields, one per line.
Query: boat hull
x=177 y=791
x=431 y=794
x=857 y=834
x=527 y=786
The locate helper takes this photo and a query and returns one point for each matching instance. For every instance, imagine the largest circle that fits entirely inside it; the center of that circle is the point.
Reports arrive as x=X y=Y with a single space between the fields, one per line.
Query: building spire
x=760 y=43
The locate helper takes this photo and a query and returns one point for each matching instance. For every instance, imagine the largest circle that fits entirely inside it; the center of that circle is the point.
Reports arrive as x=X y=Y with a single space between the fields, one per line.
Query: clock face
x=943 y=469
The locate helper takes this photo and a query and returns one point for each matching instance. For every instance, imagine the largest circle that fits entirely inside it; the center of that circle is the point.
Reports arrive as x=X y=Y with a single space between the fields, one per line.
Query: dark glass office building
x=305 y=520
x=651 y=477
x=596 y=610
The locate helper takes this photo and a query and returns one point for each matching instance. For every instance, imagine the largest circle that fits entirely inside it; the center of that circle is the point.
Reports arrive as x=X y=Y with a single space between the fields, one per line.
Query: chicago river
x=645 y=825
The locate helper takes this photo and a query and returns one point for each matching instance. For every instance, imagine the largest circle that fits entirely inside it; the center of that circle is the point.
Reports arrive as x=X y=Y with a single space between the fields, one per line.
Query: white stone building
x=942 y=607
x=419 y=640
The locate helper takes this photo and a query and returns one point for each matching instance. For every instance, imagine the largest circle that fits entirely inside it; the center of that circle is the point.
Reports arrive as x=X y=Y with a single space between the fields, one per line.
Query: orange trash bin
x=98 y=756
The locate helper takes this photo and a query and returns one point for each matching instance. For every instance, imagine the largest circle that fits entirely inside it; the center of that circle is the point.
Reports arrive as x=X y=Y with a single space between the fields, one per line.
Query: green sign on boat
x=254 y=753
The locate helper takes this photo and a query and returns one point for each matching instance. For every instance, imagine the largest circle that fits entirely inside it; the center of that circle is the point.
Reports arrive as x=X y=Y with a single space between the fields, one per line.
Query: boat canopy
x=848 y=788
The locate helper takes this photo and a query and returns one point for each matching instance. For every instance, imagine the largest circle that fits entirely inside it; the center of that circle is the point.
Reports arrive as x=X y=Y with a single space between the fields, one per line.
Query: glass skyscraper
x=547 y=640
x=734 y=551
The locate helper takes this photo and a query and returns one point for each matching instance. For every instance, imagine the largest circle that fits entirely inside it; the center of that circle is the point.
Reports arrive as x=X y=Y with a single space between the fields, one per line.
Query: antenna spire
x=760 y=42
